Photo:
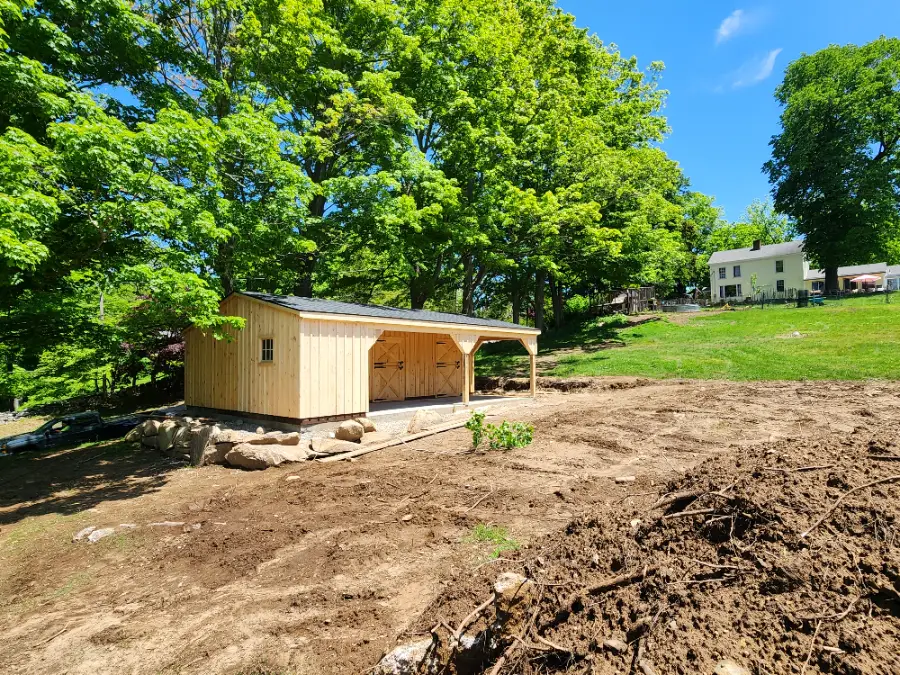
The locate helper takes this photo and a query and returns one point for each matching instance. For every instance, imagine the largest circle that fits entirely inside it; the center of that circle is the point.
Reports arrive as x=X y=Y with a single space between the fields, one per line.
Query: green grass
x=496 y=535
x=851 y=339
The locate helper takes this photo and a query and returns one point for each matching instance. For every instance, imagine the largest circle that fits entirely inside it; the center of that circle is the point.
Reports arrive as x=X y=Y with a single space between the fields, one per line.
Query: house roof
x=850 y=271
x=767 y=251
x=322 y=306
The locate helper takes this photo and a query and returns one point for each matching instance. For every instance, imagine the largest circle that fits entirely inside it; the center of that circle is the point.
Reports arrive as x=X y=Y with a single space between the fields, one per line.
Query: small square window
x=779 y=266
x=721 y=272
x=268 y=350
x=737 y=271
x=779 y=285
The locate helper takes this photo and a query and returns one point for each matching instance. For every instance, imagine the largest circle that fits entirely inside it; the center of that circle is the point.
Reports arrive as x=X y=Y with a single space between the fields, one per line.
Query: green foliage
x=496 y=535
x=834 y=166
x=475 y=424
x=508 y=436
x=614 y=321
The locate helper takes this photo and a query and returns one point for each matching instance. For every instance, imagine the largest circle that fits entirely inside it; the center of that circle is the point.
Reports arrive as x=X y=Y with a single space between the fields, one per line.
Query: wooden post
x=472 y=373
x=533 y=362
x=465 y=391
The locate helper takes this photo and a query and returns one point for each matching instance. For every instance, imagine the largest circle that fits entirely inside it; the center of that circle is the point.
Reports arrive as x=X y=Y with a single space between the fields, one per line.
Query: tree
x=834 y=166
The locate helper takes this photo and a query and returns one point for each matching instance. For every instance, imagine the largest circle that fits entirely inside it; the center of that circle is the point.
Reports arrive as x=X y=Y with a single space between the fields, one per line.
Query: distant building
x=781 y=270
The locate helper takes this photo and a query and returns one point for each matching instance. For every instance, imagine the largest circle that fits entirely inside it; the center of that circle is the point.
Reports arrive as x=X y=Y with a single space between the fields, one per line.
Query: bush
x=506 y=436
x=614 y=321
x=578 y=305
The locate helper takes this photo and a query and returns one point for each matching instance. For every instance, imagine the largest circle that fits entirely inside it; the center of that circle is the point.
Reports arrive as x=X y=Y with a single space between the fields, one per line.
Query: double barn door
x=409 y=365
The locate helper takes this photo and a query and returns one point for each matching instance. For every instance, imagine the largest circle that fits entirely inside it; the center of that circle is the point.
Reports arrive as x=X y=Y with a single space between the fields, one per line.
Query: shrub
x=578 y=305
x=506 y=436
x=614 y=321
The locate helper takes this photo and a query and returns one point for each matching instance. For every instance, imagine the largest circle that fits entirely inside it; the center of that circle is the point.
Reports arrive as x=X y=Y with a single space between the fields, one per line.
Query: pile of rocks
x=204 y=442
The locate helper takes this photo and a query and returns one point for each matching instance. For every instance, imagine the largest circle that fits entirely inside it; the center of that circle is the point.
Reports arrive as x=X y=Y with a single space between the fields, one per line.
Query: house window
x=737 y=271
x=268 y=350
x=779 y=285
x=731 y=291
x=721 y=272
x=818 y=286
x=779 y=266
x=740 y=293
x=846 y=284
x=722 y=292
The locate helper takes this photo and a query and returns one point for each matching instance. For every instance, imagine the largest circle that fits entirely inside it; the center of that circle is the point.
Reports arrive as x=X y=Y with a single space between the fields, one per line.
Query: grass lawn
x=851 y=339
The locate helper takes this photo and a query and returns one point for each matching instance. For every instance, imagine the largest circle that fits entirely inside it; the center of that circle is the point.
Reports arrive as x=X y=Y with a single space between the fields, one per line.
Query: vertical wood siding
x=230 y=375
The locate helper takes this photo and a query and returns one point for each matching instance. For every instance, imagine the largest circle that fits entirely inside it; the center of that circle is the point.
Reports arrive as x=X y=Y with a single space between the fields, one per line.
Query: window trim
x=723 y=272
x=777 y=263
x=265 y=349
x=736 y=271
x=779 y=282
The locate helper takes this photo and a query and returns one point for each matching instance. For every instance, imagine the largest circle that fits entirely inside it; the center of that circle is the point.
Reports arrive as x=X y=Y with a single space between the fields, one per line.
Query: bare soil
x=323 y=573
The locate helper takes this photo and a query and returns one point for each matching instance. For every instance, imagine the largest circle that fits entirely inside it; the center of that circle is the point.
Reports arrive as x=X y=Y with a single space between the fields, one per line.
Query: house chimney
x=756 y=244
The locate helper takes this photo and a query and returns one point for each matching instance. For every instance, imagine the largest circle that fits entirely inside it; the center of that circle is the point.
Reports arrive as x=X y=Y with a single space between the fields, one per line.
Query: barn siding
x=228 y=375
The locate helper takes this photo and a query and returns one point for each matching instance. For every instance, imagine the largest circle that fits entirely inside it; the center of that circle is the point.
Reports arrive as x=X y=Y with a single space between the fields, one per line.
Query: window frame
x=779 y=267
x=779 y=286
x=723 y=272
x=267 y=349
x=736 y=271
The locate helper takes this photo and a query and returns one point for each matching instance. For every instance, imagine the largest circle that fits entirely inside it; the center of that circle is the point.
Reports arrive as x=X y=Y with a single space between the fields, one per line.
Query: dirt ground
x=321 y=573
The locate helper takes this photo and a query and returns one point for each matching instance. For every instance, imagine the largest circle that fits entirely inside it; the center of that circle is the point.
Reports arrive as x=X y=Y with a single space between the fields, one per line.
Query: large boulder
x=414 y=658
x=250 y=456
x=166 y=435
x=367 y=424
x=236 y=436
x=423 y=420
x=349 y=431
x=331 y=446
x=203 y=445
x=151 y=427
x=150 y=442
x=135 y=434
x=276 y=437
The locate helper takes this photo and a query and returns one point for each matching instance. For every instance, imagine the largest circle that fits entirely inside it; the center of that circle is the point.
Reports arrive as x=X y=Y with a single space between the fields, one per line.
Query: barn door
x=448 y=362
x=388 y=373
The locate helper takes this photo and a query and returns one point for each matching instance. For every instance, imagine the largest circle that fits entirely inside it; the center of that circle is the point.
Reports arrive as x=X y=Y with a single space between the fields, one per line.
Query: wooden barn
x=308 y=358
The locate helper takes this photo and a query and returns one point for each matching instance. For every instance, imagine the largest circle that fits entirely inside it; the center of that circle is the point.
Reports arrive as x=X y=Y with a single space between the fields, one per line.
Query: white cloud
x=731 y=26
x=755 y=71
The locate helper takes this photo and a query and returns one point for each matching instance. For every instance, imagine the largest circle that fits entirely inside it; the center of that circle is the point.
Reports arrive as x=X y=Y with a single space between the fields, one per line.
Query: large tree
x=835 y=166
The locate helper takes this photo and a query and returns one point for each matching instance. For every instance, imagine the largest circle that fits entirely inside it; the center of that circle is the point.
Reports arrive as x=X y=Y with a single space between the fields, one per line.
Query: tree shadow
x=68 y=481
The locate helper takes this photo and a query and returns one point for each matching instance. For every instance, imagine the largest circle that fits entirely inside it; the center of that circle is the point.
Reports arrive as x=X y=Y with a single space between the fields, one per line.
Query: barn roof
x=322 y=306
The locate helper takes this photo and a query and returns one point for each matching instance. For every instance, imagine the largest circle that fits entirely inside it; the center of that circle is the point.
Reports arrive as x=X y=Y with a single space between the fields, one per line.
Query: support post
x=533 y=362
x=465 y=392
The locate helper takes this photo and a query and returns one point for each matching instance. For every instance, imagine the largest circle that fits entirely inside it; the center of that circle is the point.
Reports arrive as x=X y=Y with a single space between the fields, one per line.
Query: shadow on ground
x=71 y=480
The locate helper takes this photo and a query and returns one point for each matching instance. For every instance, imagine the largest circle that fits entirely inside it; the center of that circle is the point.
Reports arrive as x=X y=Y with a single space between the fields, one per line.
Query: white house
x=774 y=269
x=780 y=270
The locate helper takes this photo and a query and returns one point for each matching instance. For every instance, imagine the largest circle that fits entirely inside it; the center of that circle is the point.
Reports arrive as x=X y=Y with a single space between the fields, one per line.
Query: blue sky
x=723 y=62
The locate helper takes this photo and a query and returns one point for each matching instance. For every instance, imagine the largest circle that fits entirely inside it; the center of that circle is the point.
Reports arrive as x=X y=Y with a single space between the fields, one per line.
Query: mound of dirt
x=784 y=558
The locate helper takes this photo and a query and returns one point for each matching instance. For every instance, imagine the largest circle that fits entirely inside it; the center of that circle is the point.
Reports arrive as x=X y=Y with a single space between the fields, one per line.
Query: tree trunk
x=539 y=279
x=831 y=280
x=556 y=292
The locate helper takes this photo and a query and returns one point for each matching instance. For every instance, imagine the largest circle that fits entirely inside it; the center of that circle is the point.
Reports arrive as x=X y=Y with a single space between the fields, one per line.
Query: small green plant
x=614 y=321
x=508 y=436
x=493 y=534
x=476 y=426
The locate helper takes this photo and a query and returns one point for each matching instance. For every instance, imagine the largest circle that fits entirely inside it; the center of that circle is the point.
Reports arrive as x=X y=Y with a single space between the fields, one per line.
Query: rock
x=292 y=438
x=127 y=526
x=166 y=435
x=625 y=479
x=81 y=534
x=410 y=659
x=236 y=436
x=135 y=434
x=375 y=437
x=330 y=446
x=408 y=517
x=168 y=523
x=349 y=431
x=730 y=667
x=248 y=456
x=514 y=596
x=615 y=645
x=181 y=437
x=646 y=667
x=202 y=440
x=97 y=535
x=150 y=428
x=367 y=424
x=150 y=442
x=260 y=430
x=422 y=420
x=292 y=478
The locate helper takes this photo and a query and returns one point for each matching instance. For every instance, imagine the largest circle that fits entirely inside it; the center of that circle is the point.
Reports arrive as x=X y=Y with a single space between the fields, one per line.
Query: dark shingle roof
x=322 y=306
